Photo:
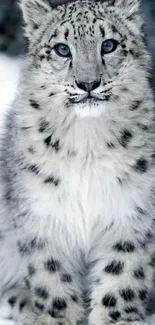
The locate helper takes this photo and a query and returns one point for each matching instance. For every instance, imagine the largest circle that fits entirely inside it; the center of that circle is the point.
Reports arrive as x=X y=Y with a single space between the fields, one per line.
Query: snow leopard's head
x=89 y=53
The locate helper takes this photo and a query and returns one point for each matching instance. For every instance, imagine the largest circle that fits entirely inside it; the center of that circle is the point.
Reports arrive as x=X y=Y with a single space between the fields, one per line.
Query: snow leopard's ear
x=131 y=6
x=35 y=12
x=130 y=10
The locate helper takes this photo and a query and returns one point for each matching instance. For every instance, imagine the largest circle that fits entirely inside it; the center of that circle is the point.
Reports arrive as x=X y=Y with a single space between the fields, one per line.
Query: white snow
x=9 y=77
x=7 y=322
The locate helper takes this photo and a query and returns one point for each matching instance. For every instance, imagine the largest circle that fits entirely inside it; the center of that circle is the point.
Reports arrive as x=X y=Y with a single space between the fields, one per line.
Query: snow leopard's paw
x=98 y=316
x=18 y=305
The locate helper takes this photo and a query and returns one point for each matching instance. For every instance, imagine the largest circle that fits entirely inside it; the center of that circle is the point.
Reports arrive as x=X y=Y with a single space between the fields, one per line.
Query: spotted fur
x=77 y=217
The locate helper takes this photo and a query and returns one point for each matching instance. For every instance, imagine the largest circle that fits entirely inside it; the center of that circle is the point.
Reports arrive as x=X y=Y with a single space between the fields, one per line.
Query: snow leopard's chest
x=78 y=201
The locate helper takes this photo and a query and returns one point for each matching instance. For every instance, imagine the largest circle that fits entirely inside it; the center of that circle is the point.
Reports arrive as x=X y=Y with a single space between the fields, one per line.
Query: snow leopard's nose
x=88 y=86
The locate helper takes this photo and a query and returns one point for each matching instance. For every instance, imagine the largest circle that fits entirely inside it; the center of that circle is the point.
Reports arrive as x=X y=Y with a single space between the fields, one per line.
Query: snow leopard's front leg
x=119 y=284
x=17 y=304
x=23 y=307
x=51 y=290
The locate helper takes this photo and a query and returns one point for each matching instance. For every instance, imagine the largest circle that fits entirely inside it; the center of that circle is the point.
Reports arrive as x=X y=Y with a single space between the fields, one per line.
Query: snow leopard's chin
x=89 y=109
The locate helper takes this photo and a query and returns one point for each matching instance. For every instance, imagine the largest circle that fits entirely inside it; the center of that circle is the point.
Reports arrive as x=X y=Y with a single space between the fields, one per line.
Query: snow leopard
x=77 y=168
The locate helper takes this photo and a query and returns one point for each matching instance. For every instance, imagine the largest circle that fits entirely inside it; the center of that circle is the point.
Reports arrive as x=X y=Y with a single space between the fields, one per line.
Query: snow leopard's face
x=90 y=52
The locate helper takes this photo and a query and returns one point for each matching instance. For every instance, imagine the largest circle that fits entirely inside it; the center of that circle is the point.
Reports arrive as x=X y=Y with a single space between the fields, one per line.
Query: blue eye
x=109 y=46
x=62 y=50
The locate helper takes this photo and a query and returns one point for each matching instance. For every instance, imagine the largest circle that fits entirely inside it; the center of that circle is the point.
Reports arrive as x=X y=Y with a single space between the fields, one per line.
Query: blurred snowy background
x=13 y=45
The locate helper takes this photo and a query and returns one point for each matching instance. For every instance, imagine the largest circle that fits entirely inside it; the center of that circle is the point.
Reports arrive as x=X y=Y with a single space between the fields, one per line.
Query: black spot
x=142 y=243
x=41 y=292
x=139 y=273
x=124 y=88
x=36 y=244
x=115 y=315
x=141 y=165
x=43 y=126
x=59 y=303
x=127 y=294
x=109 y=300
x=141 y=211
x=65 y=277
x=42 y=57
x=125 y=138
x=107 y=97
x=125 y=52
x=31 y=150
x=143 y=294
x=35 y=26
x=48 y=51
x=8 y=194
x=114 y=267
x=55 y=34
x=27 y=248
x=114 y=29
x=27 y=283
x=71 y=153
x=102 y=31
x=12 y=300
x=129 y=319
x=34 y=169
x=31 y=270
x=135 y=105
x=52 y=180
x=120 y=180
x=134 y=53
x=47 y=141
x=23 y=248
x=124 y=247
x=34 y=104
x=74 y=298
x=56 y=145
x=43 y=87
x=131 y=309
x=39 y=306
x=110 y=145
x=51 y=312
x=66 y=34
x=152 y=262
x=22 y=304
x=142 y=127
x=149 y=236
x=52 y=265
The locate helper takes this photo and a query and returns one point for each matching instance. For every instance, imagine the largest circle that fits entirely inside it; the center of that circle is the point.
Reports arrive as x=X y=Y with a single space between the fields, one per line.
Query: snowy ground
x=9 y=77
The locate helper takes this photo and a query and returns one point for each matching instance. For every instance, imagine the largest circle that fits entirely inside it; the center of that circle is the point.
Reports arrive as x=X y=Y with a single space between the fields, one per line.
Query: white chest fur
x=87 y=200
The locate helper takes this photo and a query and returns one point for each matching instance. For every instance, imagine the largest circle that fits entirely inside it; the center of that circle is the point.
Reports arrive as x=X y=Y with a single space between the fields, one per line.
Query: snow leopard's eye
x=62 y=50
x=109 y=46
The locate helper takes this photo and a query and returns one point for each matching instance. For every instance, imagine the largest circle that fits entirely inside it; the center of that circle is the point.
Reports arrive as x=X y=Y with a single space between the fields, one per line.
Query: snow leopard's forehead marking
x=83 y=16
x=83 y=23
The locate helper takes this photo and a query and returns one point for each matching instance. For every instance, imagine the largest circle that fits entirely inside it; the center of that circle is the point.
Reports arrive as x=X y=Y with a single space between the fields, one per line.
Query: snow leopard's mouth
x=88 y=99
